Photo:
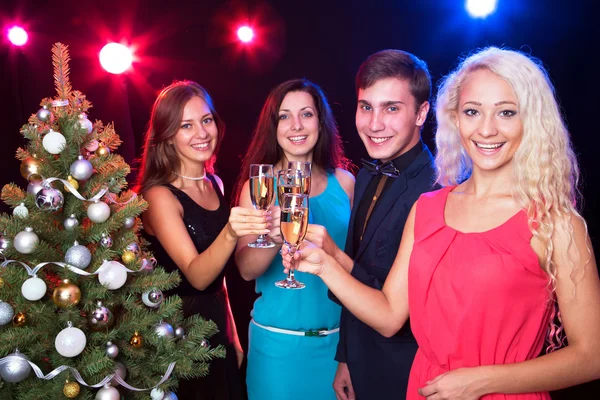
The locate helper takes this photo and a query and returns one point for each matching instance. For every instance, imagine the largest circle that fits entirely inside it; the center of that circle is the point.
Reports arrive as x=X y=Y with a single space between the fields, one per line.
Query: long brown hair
x=159 y=161
x=328 y=153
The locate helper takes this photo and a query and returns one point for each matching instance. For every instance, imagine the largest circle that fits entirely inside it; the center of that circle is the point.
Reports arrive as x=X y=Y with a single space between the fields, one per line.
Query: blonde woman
x=484 y=261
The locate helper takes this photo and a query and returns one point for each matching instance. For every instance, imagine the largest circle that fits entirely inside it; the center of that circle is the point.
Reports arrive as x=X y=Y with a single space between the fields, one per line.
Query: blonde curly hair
x=546 y=173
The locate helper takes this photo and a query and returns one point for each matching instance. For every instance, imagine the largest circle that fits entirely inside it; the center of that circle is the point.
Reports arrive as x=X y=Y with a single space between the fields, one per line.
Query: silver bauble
x=108 y=393
x=101 y=318
x=170 y=396
x=81 y=169
x=179 y=332
x=26 y=241
x=34 y=288
x=6 y=313
x=106 y=241
x=205 y=343
x=98 y=212
x=33 y=187
x=119 y=370
x=4 y=243
x=85 y=123
x=163 y=329
x=71 y=223
x=44 y=114
x=134 y=247
x=152 y=298
x=112 y=350
x=49 y=199
x=15 y=371
x=21 y=211
x=78 y=256
x=129 y=222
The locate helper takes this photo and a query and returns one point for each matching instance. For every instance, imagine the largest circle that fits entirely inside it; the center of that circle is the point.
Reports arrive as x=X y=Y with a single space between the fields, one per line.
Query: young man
x=393 y=89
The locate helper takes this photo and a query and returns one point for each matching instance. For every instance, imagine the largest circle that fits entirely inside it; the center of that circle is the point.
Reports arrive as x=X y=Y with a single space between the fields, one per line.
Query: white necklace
x=191 y=178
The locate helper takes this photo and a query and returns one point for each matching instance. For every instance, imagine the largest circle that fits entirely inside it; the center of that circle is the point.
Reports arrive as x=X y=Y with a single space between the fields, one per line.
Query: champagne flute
x=294 y=222
x=261 y=195
x=305 y=167
x=288 y=181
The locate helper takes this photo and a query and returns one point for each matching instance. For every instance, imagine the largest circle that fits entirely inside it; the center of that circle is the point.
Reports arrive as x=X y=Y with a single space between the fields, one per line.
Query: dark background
x=324 y=41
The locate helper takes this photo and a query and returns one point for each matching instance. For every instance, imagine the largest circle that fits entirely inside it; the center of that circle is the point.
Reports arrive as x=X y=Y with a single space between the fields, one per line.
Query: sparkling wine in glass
x=261 y=195
x=288 y=181
x=305 y=168
x=294 y=222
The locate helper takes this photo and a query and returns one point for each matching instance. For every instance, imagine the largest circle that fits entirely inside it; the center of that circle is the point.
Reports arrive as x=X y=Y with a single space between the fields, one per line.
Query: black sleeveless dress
x=203 y=226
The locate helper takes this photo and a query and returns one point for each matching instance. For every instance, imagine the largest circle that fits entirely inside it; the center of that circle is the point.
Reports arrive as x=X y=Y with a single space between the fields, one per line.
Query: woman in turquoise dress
x=294 y=333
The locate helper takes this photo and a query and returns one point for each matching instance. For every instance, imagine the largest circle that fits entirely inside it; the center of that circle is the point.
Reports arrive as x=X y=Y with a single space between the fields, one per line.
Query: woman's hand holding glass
x=275 y=229
x=306 y=258
x=262 y=184
x=247 y=221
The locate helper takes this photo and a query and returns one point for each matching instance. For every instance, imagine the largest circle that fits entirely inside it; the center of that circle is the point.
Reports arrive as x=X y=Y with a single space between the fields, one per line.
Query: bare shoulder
x=219 y=183
x=244 y=200
x=346 y=179
x=571 y=241
x=159 y=195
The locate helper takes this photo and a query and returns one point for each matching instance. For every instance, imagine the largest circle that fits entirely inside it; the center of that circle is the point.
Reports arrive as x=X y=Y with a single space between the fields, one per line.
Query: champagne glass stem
x=292 y=250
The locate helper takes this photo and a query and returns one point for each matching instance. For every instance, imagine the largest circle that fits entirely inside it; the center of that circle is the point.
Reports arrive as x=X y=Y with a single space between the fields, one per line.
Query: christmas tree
x=82 y=312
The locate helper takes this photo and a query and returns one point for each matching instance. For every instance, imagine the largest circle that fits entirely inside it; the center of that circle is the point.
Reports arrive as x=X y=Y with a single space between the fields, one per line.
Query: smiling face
x=488 y=120
x=387 y=118
x=298 y=126
x=196 y=140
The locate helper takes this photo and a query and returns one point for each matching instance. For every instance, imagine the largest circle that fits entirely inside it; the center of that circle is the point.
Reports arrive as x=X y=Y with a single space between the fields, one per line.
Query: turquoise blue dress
x=288 y=367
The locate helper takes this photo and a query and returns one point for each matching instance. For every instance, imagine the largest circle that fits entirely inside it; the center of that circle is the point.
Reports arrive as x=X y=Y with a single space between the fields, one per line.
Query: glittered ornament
x=108 y=393
x=163 y=329
x=49 y=199
x=85 y=123
x=102 y=151
x=129 y=222
x=205 y=343
x=44 y=114
x=30 y=169
x=21 y=211
x=34 y=186
x=157 y=394
x=152 y=298
x=98 y=212
x=71 y=389
x=92 y=145
x=19 y=319
x=170 y=396
x=101 y=318
x=73 y=182
x=112 y=350
x=112 y=275
x=70 y=342
x=54 y=142
x=136 y=340
x=26 y=241
x=120 y=371
x=81 y=169
x=134 y=247
x=1 y=282
x=70 y=223
x=128 y=256
x=15 y=370
x=34 y=288
x=78 y=256
x=179 y=332
x=6 y=313
x=66 y=294
x=106 y=241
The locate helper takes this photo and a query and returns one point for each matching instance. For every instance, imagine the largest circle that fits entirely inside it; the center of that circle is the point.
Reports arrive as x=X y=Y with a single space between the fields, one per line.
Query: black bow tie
x=388 y=168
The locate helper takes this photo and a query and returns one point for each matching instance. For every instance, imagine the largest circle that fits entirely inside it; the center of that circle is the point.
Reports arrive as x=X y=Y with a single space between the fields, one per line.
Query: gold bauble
x=136 y=340
x=71 y=389
x=66 y=294
x=19 y=319
x=128 y=256
x=102 y=150
x=30 y=169
x=73 y=182
x=1 y=282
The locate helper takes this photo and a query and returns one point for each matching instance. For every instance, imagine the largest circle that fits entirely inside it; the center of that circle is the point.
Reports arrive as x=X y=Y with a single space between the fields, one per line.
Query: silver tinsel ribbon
x=96 y=197
x=60 y=103
x=78 y=378
x=34 y=271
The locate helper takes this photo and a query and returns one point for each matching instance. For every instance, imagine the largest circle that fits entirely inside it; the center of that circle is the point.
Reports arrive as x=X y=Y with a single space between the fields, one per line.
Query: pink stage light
x=115 y=58
x=245 y=34
x=17 y=36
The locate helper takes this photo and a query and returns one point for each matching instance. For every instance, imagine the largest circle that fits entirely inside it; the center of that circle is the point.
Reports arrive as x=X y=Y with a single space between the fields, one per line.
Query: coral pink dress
x=475 y=298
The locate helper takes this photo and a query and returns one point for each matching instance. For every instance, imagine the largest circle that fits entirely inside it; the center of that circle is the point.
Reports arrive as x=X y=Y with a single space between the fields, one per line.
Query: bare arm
x=346 y=180
x=164 y=218
x=252 y=263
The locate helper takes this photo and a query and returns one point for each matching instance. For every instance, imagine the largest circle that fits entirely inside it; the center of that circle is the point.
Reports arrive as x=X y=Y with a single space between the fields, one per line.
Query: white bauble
x=157 y=394
x=21 y=211
x=85 y=123
x=54 y=142
x=70 y=342
x=26 y=241
x=108 y=393
x=34 y=288
x=98 y=212
x=112 y=274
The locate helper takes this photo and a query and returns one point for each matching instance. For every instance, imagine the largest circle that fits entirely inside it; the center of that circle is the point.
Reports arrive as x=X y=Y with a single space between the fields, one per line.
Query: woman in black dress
x=189 y=224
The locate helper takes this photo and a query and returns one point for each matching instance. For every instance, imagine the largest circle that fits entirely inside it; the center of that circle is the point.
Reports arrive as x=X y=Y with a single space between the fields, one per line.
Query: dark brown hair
x=328 y=153
x=159 y=161
x=396 y=64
